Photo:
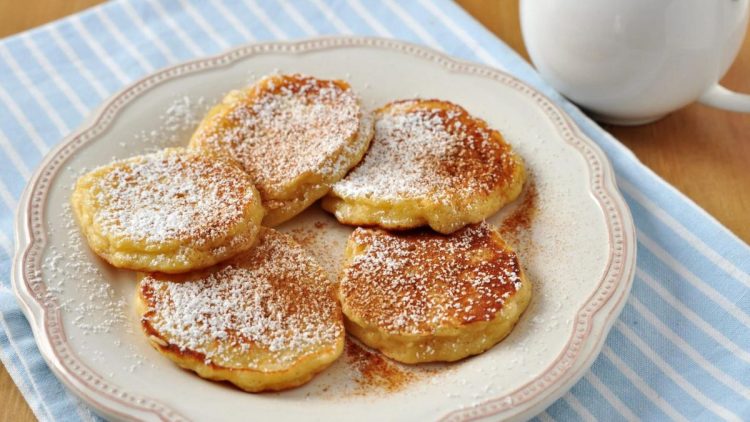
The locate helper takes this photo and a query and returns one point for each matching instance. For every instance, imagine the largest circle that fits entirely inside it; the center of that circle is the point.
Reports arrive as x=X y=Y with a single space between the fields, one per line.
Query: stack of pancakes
x=223 y=294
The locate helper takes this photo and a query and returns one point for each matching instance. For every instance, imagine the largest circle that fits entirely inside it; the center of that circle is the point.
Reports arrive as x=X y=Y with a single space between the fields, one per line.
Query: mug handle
x=720 y=97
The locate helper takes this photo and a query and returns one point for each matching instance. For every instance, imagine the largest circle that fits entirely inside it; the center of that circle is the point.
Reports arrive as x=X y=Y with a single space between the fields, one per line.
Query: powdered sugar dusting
x=273 y=301
x=172 y=195
x=410 y=282
x=285 y=127
x=429 y=149
x=178 y=122
x=76 y=285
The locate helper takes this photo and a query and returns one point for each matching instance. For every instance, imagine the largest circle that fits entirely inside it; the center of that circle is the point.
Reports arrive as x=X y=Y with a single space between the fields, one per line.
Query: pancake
x=420 y=296
x=430 y=163
x=172 y=211
x=295 y=135
x=267 y=319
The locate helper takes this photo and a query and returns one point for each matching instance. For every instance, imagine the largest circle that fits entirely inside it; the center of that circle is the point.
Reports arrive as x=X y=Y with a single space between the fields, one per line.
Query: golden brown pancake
x=420 y=296
x=430 y=163
x=267 y=319
x=172 y=211
x=295 y=135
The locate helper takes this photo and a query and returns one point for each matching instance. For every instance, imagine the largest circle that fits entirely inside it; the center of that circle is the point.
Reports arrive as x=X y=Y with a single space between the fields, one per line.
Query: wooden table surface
x=703 y=152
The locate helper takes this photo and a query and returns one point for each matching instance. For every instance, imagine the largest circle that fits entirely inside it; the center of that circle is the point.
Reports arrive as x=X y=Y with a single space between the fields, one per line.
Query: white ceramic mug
x=633 y=61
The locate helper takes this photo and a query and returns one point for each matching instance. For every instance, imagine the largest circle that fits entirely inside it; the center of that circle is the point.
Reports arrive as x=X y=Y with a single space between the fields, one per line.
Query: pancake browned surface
x=421 y=296
x=267 y=319
x=430 y=163
x=295 y=135
x=171 y=211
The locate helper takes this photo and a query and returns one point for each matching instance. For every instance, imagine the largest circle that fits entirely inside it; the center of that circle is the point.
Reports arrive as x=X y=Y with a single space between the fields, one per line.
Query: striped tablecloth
x=680 y=350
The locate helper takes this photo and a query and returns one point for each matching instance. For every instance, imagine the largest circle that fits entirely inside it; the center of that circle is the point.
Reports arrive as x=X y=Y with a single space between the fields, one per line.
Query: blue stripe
x=195 y=34
x=595 y=403
x=665 y=196
x=219 y=23
x=351 y=18
x=562 y=411
x=66 y=69
x=24 y=381
x=12 y=179
x=688 y=256
x=42 y=81
x=62 y=404
x=391 y=21
x=258 y=28
x=689 y=369
x=18 y=138
x=72 y=37
x=138 y=38
x=625 y=390
x=55 y=397
x=689 y=295
x=315 y=17
x=654 y=377
x=278 y=14
x=107 y=41
x=512 y=62
x=26 y=104
x=448 y=41
x=704 y=344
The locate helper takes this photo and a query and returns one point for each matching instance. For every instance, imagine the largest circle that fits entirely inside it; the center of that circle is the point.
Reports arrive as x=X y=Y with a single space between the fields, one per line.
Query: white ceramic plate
x=579 y=251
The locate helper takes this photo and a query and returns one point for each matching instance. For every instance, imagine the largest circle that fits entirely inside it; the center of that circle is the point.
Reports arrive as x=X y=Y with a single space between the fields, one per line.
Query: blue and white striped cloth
x=680 y=350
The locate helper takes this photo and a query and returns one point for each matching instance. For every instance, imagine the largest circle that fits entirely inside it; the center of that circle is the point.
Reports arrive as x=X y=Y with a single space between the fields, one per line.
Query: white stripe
x=7 y=246
x=146 y=29
x=37 y=406
x=666 y=218
x=263 y=17
x=545 y=417
x=167 y=18
x=236 y=24
x=639 y=384
x=332 y=18
x=82 y=411
x=686 y=348
x=115 y=31
x=76 y=61
x=664 y=256
x=11 y=152
x=367 y=17
x=694 y=241
x=299 y=19
x=31 y=88
x=467 y=39
x=21 y=119
x=670 y=372
x=693 y=317
x=7 y=198
x=611 y=398
x=223 y=43
x=73 y=96
x=579 y=408
x=414 y=25
x=691 y=278
x=100 y=54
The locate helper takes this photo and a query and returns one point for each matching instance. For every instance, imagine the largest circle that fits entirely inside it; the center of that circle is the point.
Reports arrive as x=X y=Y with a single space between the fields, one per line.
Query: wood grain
x=703 y=152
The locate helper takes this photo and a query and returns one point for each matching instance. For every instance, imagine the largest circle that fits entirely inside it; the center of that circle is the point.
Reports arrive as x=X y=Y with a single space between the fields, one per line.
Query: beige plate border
x=583 y=345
